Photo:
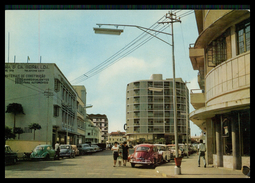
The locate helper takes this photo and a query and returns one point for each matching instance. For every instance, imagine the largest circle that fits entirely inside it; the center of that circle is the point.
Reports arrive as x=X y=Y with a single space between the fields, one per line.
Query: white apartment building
x=47 y=98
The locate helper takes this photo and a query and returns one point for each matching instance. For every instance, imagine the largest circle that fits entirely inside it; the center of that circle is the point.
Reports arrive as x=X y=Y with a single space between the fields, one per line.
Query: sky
x=66 y=37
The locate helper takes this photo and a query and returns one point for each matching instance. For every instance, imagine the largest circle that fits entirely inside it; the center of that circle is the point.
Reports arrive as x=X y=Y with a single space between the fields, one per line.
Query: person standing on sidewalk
x=115 y=150
x=125 y=153
x=201 y=152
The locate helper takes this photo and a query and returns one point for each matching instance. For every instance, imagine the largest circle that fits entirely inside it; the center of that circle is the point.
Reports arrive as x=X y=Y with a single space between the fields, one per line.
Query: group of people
x=117 y=155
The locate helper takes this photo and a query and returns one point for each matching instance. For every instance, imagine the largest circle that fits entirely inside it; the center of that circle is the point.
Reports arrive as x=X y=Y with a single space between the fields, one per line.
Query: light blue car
x=43 y=152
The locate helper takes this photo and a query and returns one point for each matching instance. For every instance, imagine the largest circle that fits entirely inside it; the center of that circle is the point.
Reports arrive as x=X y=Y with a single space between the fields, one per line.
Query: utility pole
x=47 y=93
x=174 y=19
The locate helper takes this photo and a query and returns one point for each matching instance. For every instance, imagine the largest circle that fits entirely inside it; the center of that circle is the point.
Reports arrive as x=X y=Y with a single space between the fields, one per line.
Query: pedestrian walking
x=125 y=151
x=57 y=150
x=201 y=152
x=115 y=150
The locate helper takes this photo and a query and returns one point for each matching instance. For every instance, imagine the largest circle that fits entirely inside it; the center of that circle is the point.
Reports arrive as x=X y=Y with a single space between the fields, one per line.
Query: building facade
x=221 y=54
x=81 y=113
x=116 y=137
x=149 y=110
x=47 y=98
x=101 y=121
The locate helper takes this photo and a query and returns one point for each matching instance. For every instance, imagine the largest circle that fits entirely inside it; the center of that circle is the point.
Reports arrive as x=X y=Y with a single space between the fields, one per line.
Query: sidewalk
x=190 y=169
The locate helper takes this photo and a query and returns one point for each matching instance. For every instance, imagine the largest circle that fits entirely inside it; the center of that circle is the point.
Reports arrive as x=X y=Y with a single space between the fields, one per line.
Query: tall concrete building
x=221 y=54
x=149 y=110
x=101 y=121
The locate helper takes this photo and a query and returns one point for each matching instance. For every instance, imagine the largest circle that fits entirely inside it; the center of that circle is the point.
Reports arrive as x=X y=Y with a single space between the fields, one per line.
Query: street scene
x=99 y=92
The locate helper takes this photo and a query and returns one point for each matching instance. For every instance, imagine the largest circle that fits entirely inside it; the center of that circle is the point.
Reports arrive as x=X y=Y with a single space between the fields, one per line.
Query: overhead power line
x=129 y=48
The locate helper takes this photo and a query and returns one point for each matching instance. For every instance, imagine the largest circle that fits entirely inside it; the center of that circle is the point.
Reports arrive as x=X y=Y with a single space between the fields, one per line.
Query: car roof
x=145 y=145
x=44 y=145
x=159 y=145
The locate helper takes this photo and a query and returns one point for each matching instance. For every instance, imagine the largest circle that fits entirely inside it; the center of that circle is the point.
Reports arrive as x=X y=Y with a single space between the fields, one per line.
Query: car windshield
x=39 y=148
x=141 y=148
x=64 y=147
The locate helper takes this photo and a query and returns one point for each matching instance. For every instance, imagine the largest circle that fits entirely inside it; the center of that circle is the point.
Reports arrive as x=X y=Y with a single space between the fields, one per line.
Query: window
x=56 y=111
x=243 y=36
x=56 y=85
x=217 y=50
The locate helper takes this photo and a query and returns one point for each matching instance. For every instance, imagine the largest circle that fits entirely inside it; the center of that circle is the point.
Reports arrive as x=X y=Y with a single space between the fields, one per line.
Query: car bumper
x=146 y=162
x=64 y=155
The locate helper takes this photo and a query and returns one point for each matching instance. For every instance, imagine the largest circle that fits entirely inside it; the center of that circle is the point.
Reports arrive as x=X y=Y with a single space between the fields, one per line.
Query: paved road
x=97 y=165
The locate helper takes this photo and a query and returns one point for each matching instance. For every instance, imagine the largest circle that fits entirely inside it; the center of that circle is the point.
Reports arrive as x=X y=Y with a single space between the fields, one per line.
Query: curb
x=165 y=175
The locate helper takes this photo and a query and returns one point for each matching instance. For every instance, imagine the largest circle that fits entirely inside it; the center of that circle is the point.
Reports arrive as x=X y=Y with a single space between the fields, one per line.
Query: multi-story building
x=47 y=98
x=101 y=121
x=149 y=110
x=116 y=137
x=221 y=54
x=93 y=132
x=81 y=113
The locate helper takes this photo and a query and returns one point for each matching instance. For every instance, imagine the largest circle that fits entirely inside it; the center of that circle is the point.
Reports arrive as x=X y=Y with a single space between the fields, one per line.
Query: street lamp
x=172 y=20
x=107 y=31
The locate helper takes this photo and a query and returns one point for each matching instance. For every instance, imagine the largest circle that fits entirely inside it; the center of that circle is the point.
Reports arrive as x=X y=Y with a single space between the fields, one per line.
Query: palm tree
x=34 y=126
x=15 y=109
x=19 y=131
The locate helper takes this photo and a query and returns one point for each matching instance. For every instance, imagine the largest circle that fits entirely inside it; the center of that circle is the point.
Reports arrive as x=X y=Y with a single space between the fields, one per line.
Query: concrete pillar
x=219 y=148
x=209 y=141
x=237 y=159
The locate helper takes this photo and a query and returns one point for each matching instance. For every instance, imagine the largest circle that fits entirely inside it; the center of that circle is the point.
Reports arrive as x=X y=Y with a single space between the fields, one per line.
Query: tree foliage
x=35 y=126
x=8 y=133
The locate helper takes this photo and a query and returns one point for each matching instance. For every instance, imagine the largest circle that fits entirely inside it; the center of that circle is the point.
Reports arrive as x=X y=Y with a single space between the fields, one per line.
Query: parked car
x=10 y=156
x=76 y=150
x=96 y=147
x=43 y=152
x=146 y=154
x=85 y=148
x=66 y=151
x=164 y=152
x=171 y=147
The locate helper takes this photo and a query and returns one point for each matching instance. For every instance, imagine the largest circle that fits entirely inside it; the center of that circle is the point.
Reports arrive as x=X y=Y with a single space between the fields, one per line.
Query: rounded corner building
x=149 y=110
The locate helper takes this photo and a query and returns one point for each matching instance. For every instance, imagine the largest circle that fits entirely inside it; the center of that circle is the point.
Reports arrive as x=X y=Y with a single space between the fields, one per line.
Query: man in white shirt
x=201 y=151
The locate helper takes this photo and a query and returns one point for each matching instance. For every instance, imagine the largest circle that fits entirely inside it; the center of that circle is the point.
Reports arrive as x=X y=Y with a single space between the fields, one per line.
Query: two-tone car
x=145 y=154
x=164 y=152
x=66 y=150
x=43 y=152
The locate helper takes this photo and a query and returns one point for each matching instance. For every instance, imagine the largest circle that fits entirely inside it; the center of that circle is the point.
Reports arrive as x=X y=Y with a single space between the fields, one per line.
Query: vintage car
x=145 y=154
x=10 y=156
x=66 y=151
x=76 y=150
x=164 y=152
x=85 y=148
x=43 y=152
x=96 y=147
x=171 y=147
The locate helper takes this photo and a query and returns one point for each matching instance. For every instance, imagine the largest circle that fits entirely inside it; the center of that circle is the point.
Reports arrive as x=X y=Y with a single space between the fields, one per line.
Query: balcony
x=196 y=56
x=197 y=99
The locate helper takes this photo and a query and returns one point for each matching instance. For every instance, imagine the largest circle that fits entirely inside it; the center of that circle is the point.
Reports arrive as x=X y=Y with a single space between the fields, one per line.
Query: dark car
x=85 y=148
x=66 y=151
x=146 y=154
x=10 y=156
